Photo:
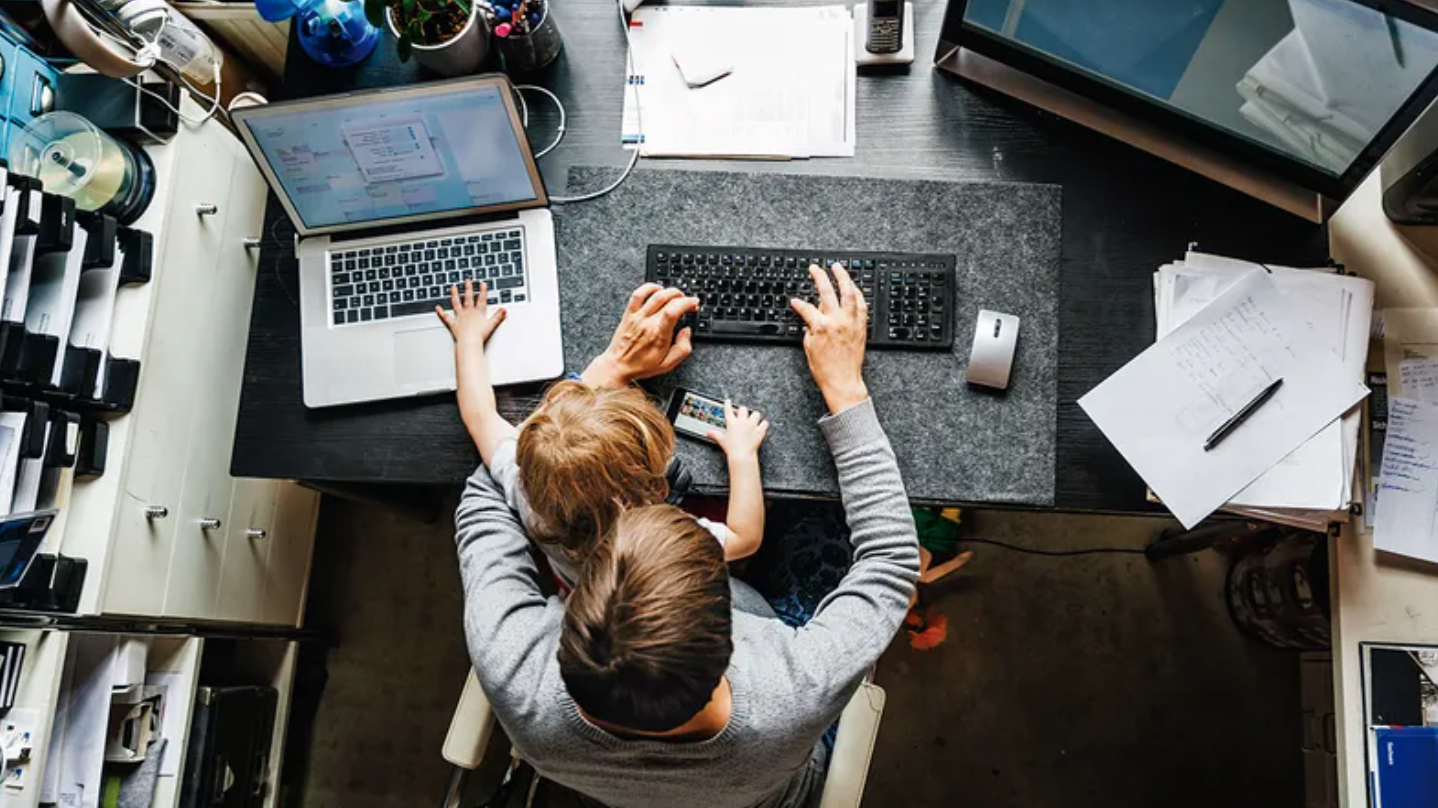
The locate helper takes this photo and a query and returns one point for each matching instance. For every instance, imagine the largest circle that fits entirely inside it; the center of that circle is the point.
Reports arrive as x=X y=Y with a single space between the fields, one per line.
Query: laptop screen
x=427 y=152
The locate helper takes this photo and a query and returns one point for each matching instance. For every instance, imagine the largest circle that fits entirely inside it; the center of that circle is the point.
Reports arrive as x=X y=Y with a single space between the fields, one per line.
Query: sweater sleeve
x=855 y=623
x=508 y=623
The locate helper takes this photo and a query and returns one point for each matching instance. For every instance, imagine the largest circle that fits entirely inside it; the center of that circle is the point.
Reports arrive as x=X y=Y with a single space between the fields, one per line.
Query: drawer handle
x=209 y=523
x=254 y=534
x=251 y=243
x=153 y=512
x=206 y=209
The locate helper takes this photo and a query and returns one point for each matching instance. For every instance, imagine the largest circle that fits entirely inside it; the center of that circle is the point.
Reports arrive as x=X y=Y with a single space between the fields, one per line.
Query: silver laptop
x=397 y=195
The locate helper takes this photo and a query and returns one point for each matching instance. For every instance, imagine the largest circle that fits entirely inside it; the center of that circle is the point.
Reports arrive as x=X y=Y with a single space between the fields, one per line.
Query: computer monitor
x=1312 y=91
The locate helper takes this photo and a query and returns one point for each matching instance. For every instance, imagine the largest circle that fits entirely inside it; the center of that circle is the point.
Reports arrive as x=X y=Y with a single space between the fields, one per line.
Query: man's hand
x=644 y=344
x=469 y=320
x=834 y=338
x=744 y=430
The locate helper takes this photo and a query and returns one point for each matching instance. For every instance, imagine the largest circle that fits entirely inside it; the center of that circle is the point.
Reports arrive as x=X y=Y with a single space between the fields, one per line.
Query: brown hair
x=587 y=454
x=646 y=634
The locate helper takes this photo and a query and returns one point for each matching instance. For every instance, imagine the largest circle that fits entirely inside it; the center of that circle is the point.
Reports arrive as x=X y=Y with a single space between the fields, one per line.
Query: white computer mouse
x=996 y=336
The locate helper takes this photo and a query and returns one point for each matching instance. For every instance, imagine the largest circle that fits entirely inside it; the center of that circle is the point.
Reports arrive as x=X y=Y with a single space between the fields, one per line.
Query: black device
x=695 y=414
x=744 y=292
x=886 y=26
x=226 y=764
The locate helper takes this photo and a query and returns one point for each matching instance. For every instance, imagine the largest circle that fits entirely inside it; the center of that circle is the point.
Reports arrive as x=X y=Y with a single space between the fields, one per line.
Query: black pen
x=1242 y=415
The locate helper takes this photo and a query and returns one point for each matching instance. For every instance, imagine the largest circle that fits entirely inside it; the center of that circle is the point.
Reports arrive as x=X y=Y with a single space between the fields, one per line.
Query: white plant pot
x=459 y=56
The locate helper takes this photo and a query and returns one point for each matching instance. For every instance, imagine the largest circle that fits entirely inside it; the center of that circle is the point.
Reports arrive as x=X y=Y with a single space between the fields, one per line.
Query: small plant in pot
x=446 y=36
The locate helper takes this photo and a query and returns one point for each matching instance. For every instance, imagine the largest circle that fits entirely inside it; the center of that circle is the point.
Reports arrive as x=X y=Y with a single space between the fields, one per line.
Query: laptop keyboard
x=401 y=280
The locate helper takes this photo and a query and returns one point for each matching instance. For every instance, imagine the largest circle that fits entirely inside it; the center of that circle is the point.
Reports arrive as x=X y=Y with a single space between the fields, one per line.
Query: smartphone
x=886 y=26
x=695 y=414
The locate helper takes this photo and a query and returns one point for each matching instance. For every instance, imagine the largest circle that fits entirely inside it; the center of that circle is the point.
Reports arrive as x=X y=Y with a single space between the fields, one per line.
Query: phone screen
x=698 y=415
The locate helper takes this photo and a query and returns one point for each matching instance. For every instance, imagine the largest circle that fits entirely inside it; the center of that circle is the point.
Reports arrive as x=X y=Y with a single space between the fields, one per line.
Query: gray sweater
x=788 y=685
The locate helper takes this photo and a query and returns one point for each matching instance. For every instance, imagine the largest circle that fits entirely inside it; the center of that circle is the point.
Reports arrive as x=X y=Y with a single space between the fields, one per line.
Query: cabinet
x=166 y=530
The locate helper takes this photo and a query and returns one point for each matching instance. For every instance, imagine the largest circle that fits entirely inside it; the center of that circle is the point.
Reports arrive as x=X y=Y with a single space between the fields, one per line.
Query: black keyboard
x=401 y=280
x=744 y=292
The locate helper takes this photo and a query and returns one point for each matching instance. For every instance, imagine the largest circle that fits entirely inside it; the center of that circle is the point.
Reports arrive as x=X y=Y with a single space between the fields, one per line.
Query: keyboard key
x=366 y=315
x=351 y=316
x=506 y=296
x=341 y=303
x=508 y=283
x=344 y=291
x=406 y=309
x=339 y=318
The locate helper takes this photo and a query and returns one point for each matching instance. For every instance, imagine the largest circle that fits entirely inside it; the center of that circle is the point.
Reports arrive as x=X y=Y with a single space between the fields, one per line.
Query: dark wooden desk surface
x=1125 y=213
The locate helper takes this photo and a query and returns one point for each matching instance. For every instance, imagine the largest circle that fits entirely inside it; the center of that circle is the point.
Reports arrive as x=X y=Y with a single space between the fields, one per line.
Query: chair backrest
x=473 y=724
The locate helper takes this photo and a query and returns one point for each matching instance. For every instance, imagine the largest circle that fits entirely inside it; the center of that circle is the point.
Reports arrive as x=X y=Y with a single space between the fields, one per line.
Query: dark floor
x=1093 y=680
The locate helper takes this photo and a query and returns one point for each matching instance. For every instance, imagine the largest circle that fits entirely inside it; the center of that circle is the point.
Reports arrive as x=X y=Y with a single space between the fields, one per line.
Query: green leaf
x=403 y=48
x=374 y=12
x=408 y=7
x=463 y=6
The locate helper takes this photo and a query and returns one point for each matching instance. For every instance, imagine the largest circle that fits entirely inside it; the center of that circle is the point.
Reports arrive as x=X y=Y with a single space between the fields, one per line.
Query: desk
x=1125 y=213
x=1376 y=598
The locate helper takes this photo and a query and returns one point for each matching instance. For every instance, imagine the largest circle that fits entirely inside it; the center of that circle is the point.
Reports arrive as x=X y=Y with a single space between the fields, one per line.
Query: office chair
x=472 y=727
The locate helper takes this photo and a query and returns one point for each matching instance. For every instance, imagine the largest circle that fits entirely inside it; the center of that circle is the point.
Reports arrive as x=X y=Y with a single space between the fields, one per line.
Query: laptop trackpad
x=424 y=358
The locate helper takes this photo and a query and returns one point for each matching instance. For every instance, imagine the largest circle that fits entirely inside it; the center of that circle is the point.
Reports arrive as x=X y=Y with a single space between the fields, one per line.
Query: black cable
x=1056 y=553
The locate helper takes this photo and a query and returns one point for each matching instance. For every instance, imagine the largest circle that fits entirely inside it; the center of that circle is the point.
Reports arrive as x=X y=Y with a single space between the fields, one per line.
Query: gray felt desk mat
x=954 y=443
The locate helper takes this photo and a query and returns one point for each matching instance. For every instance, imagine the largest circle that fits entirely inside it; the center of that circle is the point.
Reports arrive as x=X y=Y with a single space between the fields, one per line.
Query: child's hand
x=744 y=430
x=470 y=322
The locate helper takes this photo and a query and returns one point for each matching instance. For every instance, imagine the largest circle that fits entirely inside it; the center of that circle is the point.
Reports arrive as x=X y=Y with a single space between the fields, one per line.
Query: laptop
x=396 y=195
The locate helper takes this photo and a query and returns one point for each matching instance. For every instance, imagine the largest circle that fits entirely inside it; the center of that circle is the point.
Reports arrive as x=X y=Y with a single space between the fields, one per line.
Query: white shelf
x=37 y=696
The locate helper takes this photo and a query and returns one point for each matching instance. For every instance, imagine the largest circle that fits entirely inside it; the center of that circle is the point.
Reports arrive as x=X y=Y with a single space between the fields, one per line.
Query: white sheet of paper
x=1407 y=522
x=17 y=280
x=790 y=93
x=1160 y=408
x=1337 y=311
x=12 y=427
x=53 y=284
x=28 y=479
x=80 y=740
x=1419 y=377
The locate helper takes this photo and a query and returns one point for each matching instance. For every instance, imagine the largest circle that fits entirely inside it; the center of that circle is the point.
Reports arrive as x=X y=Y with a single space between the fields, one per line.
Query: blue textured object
x=1405 y=775
x=334 y=33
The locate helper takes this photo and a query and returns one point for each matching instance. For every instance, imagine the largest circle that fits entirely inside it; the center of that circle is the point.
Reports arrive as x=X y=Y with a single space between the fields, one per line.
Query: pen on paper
x=1242 y=415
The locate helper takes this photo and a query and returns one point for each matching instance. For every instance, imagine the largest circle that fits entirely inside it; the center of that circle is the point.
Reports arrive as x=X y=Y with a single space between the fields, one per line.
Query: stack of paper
x=1314 y=485
x=790 y=92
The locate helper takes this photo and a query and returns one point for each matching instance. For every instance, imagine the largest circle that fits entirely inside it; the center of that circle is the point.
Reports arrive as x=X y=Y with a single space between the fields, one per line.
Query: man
x=664 y=683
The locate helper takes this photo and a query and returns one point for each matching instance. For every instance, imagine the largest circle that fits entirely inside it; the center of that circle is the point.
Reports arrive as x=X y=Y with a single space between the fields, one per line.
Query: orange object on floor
x=927 y=629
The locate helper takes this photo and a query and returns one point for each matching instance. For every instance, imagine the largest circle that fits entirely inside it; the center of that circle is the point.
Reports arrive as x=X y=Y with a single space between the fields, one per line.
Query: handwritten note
x=1418 y=379
x=1408 y=487
x=1158 y=409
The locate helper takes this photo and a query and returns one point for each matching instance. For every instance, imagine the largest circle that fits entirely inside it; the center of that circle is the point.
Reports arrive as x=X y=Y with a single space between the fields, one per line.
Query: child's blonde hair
x=585 y=456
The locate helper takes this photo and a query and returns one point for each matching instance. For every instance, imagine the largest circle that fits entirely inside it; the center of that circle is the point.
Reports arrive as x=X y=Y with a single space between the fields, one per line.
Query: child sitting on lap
x=586 y=455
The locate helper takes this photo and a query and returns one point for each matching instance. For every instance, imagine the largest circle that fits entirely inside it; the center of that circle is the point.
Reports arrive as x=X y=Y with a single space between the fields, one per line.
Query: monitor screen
x=1314 y=81
x=393 y=156
x=19 y=539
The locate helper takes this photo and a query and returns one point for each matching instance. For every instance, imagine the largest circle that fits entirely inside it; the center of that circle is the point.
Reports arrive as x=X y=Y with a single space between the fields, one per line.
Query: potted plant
x=449 y=37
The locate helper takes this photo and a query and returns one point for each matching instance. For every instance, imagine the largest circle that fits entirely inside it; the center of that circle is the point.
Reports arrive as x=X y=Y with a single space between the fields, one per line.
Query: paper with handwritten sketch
x=1160 y=408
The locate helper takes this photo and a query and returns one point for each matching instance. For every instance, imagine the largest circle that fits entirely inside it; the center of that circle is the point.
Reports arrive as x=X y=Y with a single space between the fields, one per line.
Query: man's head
x=646 y=635
x=586 y=455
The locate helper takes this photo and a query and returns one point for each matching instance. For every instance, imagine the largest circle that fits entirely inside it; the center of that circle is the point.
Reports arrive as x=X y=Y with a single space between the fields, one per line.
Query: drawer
x=226 y=288
x=154 y=470
x=247 y=548
x=287 y=571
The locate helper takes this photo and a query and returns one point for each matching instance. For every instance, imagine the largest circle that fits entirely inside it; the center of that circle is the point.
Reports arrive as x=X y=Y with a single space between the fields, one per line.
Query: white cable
x=259 y=100
x=214 y=102
x=559 y=135
x=638 y=122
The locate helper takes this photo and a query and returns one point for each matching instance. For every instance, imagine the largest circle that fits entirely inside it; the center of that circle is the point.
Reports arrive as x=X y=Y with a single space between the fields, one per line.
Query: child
x=586 y=455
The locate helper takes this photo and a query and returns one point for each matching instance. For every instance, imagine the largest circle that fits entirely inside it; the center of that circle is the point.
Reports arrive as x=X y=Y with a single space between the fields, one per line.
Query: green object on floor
x=110 y=795
x=937 y=532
